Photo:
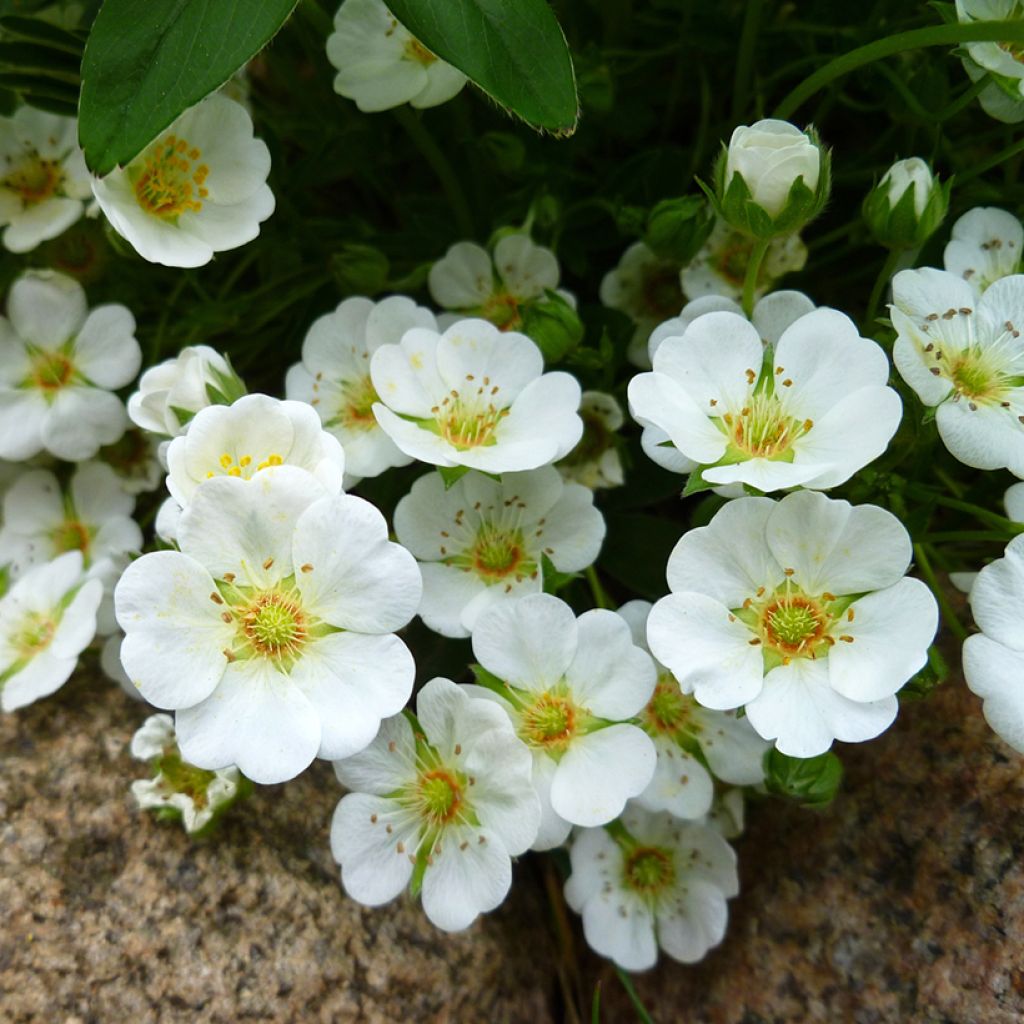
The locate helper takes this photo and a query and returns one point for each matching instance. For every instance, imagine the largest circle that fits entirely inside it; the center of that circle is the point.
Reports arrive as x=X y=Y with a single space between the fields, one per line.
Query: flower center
x=243 y=466
x=440 y=795
x=550 y=722
x=470 y=420
x=34 y=635
x=181 y=777
x=170 y=181
x=416 y=51
x=497 y=553
x=502 y=310
x=668 y=710
x=51 y=371
x=732 y=258
x=358 y=398
x=648 y=870
x=274 y=625
x=761 y=430
x=793 y=622
x=661 y=293
x=35 y=180
x=72 y=535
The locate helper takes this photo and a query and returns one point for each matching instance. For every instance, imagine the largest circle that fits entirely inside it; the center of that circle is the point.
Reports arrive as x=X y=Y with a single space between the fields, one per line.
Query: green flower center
x=358 y=398
x=468 y=423
x=440 y=795
x=168 y=179
x=274 y=625
x=648 y=870
x=551 y=722
x=181 y=777
x=51 y=371
x=793 y=622
x=35 y=180
x=502 y=309
x=72 y=535
x=34 y=635
x=414 y=50
x=669 y=709
x=760 y=429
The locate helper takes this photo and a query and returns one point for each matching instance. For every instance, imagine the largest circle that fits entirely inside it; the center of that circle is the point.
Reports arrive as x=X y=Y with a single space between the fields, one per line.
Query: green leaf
x=146 y=63
x=512 y=49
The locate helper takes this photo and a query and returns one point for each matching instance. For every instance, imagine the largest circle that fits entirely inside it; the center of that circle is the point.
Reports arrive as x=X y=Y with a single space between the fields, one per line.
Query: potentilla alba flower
x=93 y=515
x=963 y=355
x=59 y=362
x=270 y=631
x=193 y=795
x=651 y=881
x=484 y=541
x=811 y=411
x=595 y=462
x=47 y=619
x=43 y=179
x=994 y=658
x=570 y=685
x=468 y=281
x=440 y=803
x=646 y=288
x=475 y=397
x=985 y=245
x=720 y=267
x=797 y=610
x=252 y=434
x=1003 y=61
x=171 y=393
x=690 y=740
x=382 y=65
x=907 y=206
x=197 y=189
x=334 y=376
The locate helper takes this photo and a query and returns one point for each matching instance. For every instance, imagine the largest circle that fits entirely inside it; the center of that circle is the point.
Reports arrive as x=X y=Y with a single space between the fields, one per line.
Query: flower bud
x=772 y=179
x=907 y=206
x=360 y=269
x=677 y=228
x=554 y=325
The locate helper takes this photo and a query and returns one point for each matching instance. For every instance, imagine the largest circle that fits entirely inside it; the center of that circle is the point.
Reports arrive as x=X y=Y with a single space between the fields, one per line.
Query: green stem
x=967 y=536
x=753 y=271
x=901 y=42
x=434 y=156
x=885 y=275
x=993 y=519
x=948 y=615
x=627 y=984
x=601 y=598
x=986 y=165
x=745 y=58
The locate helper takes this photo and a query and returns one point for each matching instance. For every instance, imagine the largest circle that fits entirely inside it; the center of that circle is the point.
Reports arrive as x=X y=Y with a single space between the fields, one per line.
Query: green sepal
x=922 y=683
x=554 y=580
x=811 y=781
x=695 y=483
x=419 y=870
x=360 y=269
x=553 y=325
x=678 y=228
x=451 y=475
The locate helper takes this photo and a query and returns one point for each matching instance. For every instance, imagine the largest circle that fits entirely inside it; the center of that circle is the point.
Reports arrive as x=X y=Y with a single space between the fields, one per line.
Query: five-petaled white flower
x=468 y=281
x=475 y=397
x=193 y=794
x=334 y=376
x=695 y=744
x=441 y=803
x=811 y=411
x=270 y=632
x=986 y=244
x=252 y=434
x=595 y=462
x=172 y=392
x=59 y=362
x=381 y=64
x=197 y=189
x=964 y=355
x=483 y=541
x=797 y=610
x=651 y=881
x=994 y=658
x=47 y=619
x=720 y=267
x=43 y=179
x=570 y=686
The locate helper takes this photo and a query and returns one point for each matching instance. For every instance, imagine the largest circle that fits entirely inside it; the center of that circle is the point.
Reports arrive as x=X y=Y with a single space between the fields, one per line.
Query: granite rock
x=108 y=916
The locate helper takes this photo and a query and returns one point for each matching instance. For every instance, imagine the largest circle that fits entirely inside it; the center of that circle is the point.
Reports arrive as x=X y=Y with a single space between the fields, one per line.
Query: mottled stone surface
x=107 y=916
x=904 y=902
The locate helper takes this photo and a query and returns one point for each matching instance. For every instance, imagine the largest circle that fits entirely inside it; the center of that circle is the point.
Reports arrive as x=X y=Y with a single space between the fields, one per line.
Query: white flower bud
x=905 y=174
x=770 y=155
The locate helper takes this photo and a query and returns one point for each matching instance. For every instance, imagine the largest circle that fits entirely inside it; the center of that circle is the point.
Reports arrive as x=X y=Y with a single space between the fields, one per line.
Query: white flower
x=985 y=245
x=135 y=459
x=994 y=658
x=382 y=65
x=595 y=462
x=197 y=189
x=270 y=632
x=797 y=610
x=963 y=355
x=59 y=362
x=770 y=155
x=1002 y=60
x=645 y=288
x=252 y=434
x=570 y=685
x=47 y=619
x=43 y=179
x=475 y=397
x=466 y=279
x=483 y=541
x=1001 y=97
x=912 y=173
x=652 y=881
x=690 y=740
x=810 y=412
x=443 y=806
x=334 y=376
x=42 y=521
x=192 y=793
x=720 y=267
x=171 y=393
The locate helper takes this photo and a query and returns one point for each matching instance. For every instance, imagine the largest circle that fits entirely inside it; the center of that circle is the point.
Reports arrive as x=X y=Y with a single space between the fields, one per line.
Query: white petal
x=82 y=420
x=372 y=870
x=987 y=437
x=681 y=784
x=998 y=595
x=996 y=674
x=695 y=924
x=46 y=308
x=106 y=350
x=386 y=765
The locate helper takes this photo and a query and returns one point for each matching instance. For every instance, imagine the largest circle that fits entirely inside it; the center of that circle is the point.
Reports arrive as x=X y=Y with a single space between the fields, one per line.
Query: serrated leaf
x=146 y=63
x=514 y=50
